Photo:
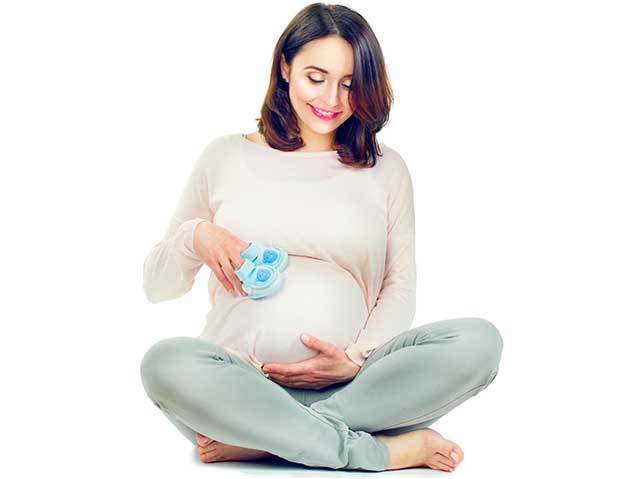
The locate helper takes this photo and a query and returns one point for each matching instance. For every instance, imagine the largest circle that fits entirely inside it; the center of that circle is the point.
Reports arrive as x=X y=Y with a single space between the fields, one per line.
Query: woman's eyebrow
x=322 y=70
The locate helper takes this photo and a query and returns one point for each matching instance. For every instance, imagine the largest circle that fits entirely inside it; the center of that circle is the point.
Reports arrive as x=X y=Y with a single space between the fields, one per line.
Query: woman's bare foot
x=422 y=448
x=211 y=450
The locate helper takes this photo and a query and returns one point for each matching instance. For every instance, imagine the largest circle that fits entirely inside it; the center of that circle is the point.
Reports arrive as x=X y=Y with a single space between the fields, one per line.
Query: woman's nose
x=331 y=98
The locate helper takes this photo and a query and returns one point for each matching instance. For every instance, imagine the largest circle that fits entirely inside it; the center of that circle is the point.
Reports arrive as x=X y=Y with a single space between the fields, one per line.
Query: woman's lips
x=320 y=115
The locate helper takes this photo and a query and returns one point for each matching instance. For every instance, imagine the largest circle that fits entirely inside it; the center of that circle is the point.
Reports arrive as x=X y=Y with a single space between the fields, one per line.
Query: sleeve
x=395 y=306
x=171 y=266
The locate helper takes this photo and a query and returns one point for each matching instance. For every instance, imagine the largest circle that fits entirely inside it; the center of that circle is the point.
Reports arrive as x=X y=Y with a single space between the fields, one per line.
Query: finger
x=234 y=261
x=243 y=245
x=220 y=275
x=303 y=385
x=273 y=368
x=291 y=381
x=304 y=382
x=237 y=261
x=282 y=380
x=230 y=273
x=288 y=370
x=319 y=345
x=269 y=367
x=293 y=377
x=280 y=371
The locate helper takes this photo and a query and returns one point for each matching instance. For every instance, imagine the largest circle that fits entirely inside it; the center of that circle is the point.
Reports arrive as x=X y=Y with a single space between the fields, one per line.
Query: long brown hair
x=370 y=95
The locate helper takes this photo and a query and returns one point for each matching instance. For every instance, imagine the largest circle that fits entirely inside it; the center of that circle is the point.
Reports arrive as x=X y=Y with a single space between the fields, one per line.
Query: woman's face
x=327 y=90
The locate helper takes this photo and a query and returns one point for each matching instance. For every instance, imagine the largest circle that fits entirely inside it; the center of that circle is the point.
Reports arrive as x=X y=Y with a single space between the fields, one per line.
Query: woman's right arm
x=171 y=266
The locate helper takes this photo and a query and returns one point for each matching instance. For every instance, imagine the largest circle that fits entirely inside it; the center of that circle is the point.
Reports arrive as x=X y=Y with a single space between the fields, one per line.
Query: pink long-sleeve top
x=349 y=233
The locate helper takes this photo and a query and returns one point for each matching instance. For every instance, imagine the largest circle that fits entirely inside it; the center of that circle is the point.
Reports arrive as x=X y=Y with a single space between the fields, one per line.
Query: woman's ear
x=284 y=68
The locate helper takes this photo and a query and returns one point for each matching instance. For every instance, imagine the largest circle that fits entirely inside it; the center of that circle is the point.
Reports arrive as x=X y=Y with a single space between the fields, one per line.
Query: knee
x=484 y=342
x=478 y=349
x=161 y=363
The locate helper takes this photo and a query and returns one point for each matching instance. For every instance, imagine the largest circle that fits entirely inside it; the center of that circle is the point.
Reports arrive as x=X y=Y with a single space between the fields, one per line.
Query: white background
x=519 y=122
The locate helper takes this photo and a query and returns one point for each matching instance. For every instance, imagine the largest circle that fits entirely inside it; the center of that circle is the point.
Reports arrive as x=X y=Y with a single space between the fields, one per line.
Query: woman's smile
x=322 y=114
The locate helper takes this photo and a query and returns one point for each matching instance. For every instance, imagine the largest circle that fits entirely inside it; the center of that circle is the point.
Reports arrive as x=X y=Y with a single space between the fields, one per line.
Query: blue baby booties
x=259 y=280
x=270 y=255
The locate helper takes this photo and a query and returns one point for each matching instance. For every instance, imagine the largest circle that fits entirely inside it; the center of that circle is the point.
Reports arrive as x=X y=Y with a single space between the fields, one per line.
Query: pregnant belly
x=316 y=297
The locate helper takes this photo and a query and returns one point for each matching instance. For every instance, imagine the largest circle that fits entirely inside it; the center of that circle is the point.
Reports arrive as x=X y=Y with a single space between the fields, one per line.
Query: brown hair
x=370 y=95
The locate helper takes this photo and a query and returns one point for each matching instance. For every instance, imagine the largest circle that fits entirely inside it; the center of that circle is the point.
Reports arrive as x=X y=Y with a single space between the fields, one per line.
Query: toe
x=209 y=447
x=447 y=451
x=458 y=451
x=202 y=440
x=440 y=457
x=444 y=466
x=211 y=456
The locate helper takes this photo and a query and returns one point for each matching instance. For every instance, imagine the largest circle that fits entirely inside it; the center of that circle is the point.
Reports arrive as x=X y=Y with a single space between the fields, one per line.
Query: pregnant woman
x=362 y=391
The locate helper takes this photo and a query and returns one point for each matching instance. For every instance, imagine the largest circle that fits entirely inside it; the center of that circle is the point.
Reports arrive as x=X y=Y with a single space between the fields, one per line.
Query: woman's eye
x=348 y=87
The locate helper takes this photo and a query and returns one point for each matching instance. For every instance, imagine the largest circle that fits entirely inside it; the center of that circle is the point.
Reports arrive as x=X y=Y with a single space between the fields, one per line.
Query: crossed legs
x=406 y=384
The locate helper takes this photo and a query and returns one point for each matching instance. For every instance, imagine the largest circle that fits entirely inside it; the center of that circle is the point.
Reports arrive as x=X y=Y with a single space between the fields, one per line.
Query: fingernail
x=454 y=456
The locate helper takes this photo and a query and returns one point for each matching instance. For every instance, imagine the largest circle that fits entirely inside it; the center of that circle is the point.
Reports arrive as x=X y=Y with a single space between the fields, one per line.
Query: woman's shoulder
x=221 y=146
x=391 y=160
x=221 y=142
x=215 y=153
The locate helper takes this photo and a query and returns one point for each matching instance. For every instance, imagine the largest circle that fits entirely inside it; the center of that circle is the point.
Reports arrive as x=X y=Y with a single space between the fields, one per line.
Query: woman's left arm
x=395 y=308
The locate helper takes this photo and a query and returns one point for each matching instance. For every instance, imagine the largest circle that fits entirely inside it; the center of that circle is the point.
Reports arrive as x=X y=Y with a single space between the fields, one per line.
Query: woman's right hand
x=220 y=250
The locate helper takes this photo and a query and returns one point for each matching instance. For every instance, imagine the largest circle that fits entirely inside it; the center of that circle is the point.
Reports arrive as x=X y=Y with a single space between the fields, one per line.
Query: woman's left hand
x=330 y=366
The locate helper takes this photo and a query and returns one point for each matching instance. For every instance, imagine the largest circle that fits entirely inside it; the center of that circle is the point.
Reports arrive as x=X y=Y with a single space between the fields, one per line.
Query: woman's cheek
x=303 y=93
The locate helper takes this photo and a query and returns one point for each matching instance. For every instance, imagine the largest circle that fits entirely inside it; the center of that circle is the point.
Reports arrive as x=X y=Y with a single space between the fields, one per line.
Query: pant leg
x=201 y=387
x=297 y=393
x=417 y=377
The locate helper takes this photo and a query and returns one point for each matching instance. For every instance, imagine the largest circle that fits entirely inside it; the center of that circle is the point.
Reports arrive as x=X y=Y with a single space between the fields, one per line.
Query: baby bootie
x=268 y=255
x=260 y=280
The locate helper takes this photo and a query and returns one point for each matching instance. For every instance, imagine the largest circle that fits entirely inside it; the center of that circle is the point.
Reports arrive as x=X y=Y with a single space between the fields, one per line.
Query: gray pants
x=405 y=384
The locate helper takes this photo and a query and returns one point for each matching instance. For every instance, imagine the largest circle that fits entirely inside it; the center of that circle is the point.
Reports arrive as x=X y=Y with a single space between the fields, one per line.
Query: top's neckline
x=285 y=154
